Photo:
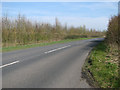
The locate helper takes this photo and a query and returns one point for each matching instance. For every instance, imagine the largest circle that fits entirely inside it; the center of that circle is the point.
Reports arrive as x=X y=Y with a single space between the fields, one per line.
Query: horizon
x=93 y=15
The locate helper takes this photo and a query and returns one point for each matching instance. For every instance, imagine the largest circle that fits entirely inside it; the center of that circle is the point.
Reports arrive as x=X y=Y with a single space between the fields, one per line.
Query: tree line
x=22 y=31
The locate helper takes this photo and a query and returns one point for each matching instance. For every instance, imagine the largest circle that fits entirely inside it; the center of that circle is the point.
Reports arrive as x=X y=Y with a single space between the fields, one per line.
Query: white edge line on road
x=8 y=64
x=57 y=49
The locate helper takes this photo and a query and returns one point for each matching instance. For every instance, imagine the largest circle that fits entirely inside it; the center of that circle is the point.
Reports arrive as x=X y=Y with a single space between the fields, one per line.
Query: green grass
x=12 y=48
x=103 y=68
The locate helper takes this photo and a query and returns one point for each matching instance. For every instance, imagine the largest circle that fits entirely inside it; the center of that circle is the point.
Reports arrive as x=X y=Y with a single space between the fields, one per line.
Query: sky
x=92 y=14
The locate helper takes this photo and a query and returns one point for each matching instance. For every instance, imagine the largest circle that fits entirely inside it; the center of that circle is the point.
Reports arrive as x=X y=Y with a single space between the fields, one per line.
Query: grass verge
x=101 y=68
x=12 y=48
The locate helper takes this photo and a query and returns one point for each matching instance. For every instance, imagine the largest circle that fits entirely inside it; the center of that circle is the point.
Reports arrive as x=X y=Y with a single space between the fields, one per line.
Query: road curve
x=52 y=66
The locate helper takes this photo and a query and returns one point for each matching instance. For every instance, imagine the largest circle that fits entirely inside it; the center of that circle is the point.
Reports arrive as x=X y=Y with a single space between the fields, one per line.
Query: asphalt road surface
x=52 y=66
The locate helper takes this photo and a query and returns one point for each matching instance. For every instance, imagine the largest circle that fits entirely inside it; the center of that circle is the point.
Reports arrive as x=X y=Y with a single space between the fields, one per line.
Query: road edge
x=21 y=47
x=86 y=74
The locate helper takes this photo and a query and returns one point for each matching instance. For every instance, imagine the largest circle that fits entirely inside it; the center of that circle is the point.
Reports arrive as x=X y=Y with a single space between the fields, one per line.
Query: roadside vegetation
x=12 y=48
x=21 y=31
x=103 y=64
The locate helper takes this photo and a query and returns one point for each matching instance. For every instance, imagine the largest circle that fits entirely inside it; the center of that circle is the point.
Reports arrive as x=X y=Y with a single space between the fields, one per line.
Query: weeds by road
x=102 y=66
x=12 y=48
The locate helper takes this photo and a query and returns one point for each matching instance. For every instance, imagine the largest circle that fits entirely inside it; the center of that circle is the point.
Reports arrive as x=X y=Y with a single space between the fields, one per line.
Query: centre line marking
x=57 y=49
x=8 y=64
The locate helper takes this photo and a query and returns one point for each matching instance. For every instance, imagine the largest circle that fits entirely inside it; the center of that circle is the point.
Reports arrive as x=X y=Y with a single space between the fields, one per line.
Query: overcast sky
x=92 y=14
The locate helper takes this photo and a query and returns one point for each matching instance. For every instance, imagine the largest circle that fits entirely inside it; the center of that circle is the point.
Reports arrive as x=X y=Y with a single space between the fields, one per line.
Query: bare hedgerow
x=22 y=31
x=113 y=33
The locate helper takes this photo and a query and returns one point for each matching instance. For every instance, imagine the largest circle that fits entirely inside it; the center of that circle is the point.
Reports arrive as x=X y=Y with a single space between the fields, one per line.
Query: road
x=52 y=66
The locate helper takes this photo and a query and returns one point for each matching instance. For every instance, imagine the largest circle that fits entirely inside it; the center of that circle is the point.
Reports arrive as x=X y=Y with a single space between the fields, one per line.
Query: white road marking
x=57 y=49
x=8 y=64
